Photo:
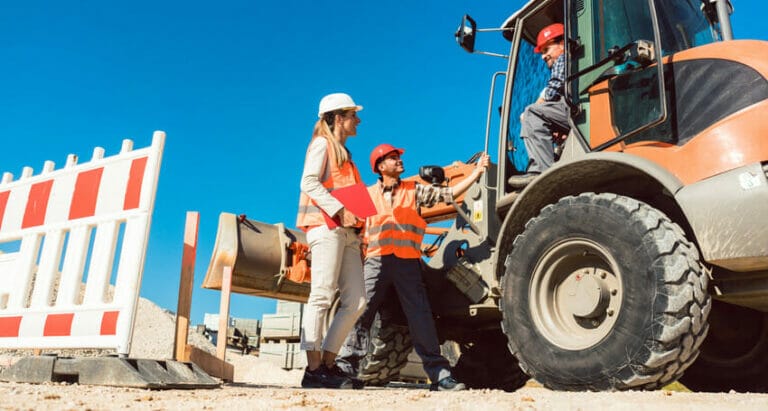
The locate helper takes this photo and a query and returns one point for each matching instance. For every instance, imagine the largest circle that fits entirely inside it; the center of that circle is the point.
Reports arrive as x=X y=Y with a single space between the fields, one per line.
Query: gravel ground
x=261 y=385
x=245 y=396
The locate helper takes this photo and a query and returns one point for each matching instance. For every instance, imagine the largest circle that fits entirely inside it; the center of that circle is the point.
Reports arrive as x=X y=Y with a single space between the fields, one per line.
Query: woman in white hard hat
x=336 y=258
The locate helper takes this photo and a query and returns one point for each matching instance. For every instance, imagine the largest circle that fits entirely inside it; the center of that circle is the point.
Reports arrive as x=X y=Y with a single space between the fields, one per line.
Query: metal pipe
x=466 y=219
x=724 y=17
x=490 y=110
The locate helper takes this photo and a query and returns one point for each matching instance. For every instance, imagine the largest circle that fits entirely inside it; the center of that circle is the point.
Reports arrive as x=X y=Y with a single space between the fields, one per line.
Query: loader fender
x=619 y=173
x=729 y=225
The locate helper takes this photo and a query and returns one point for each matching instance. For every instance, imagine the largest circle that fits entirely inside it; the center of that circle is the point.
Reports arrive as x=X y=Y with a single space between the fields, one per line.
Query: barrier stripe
x=85 y=195
x=3 y=202
x=9 y=326
x=58 y=325
x=37 y=203
x=109 y=323
x=135 y=178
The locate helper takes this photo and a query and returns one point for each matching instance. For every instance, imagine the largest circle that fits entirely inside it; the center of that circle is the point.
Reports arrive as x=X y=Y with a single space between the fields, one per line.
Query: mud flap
x=112 y=371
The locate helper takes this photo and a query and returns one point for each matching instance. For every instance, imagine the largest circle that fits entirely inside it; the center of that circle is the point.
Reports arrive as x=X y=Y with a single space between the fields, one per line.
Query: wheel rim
x=575 y=294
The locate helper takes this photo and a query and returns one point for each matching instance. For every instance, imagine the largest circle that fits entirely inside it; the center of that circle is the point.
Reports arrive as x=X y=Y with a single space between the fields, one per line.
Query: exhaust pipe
x=262 y=257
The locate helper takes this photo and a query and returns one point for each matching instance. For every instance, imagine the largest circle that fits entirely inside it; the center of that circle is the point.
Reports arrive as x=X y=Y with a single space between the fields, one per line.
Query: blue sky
x=235 y=86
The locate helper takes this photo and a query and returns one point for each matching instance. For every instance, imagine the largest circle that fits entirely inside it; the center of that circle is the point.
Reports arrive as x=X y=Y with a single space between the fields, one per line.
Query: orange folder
x=356 y=199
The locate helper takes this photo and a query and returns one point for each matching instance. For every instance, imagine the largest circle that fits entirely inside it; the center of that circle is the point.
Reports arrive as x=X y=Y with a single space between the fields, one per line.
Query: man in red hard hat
x=549 y=114
x=392 y=239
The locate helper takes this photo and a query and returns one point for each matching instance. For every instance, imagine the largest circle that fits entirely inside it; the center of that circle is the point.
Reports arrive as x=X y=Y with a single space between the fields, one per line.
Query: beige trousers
x=336 y=265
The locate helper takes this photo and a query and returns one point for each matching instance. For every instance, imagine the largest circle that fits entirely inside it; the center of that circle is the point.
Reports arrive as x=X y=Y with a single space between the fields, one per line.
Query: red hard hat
x=548 y=33
x=380 y=151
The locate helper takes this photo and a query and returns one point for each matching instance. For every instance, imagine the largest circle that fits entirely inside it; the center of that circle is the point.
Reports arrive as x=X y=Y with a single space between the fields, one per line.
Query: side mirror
x=435 y=175
x=465 y=34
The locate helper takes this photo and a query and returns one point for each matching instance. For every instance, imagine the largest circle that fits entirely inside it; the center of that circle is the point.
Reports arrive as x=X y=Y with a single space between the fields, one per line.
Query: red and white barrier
x=69 y=221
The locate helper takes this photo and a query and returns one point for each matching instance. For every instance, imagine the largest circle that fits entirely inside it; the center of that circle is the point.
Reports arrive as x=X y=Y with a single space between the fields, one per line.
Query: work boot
x=447 y=384
x=522 y=180
x=322 y=377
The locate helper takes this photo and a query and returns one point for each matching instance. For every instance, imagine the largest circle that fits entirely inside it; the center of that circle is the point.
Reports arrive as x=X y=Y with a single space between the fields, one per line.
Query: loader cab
x=617 y=83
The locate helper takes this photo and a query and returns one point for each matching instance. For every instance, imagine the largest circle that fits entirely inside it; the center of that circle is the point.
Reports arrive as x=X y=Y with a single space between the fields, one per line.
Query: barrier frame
x=54 y=215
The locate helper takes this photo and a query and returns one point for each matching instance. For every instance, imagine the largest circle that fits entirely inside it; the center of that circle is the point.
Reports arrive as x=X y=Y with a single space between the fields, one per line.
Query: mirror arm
x=486 y=53
x=494 y=29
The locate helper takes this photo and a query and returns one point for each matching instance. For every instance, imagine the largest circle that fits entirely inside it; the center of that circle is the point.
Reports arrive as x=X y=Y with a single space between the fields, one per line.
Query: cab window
x=682 y=24
x=530 y=78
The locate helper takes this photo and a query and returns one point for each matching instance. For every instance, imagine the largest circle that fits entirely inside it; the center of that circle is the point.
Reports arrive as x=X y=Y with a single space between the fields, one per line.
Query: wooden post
x=182 y=351
x=185 y=284
x=226 y=289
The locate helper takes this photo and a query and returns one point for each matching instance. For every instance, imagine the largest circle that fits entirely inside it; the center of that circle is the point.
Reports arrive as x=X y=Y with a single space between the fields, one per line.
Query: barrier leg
x=226 y=293
x=185 y=284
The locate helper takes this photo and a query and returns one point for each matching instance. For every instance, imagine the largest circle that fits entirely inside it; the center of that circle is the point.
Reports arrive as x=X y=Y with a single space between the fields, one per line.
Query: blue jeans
x=385 y=276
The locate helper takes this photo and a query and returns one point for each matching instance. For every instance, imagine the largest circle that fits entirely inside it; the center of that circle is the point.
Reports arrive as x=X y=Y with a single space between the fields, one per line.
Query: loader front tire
x=603 y=292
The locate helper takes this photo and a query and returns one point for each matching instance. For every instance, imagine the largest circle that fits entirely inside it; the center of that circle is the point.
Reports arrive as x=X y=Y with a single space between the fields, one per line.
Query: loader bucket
x=259 y=255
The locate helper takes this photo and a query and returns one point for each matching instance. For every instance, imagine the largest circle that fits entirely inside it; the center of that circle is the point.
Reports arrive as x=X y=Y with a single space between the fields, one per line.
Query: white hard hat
x=336 y=101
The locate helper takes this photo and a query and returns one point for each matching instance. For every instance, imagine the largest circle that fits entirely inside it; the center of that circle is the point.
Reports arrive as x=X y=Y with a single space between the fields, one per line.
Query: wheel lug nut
x=603 y=275
x=614 y=291
x=610 y=313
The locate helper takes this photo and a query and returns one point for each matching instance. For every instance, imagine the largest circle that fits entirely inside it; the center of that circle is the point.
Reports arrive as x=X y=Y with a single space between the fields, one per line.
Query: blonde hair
x=323 y=129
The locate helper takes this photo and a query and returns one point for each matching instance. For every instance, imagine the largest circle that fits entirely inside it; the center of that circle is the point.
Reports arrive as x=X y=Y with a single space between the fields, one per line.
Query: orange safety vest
x=310 y=214
x=397 y=229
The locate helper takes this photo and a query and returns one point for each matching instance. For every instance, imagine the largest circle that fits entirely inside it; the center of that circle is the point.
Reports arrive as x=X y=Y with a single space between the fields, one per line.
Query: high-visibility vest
x=398 y=228
x=310 y=214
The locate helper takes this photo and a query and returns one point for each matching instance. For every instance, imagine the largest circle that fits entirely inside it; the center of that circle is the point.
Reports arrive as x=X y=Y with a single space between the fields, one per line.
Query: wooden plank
x=226 y=293
x=185 y=283
x=213 y=366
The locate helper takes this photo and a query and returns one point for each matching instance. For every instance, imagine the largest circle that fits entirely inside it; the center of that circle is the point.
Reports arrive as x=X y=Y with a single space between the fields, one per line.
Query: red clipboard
x=356 y=199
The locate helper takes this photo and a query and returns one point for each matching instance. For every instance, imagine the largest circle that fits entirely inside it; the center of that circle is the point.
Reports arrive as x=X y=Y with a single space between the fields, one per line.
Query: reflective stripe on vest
x=419 y=231
x=385 y=242
x=397 y=229
x=309 y=213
